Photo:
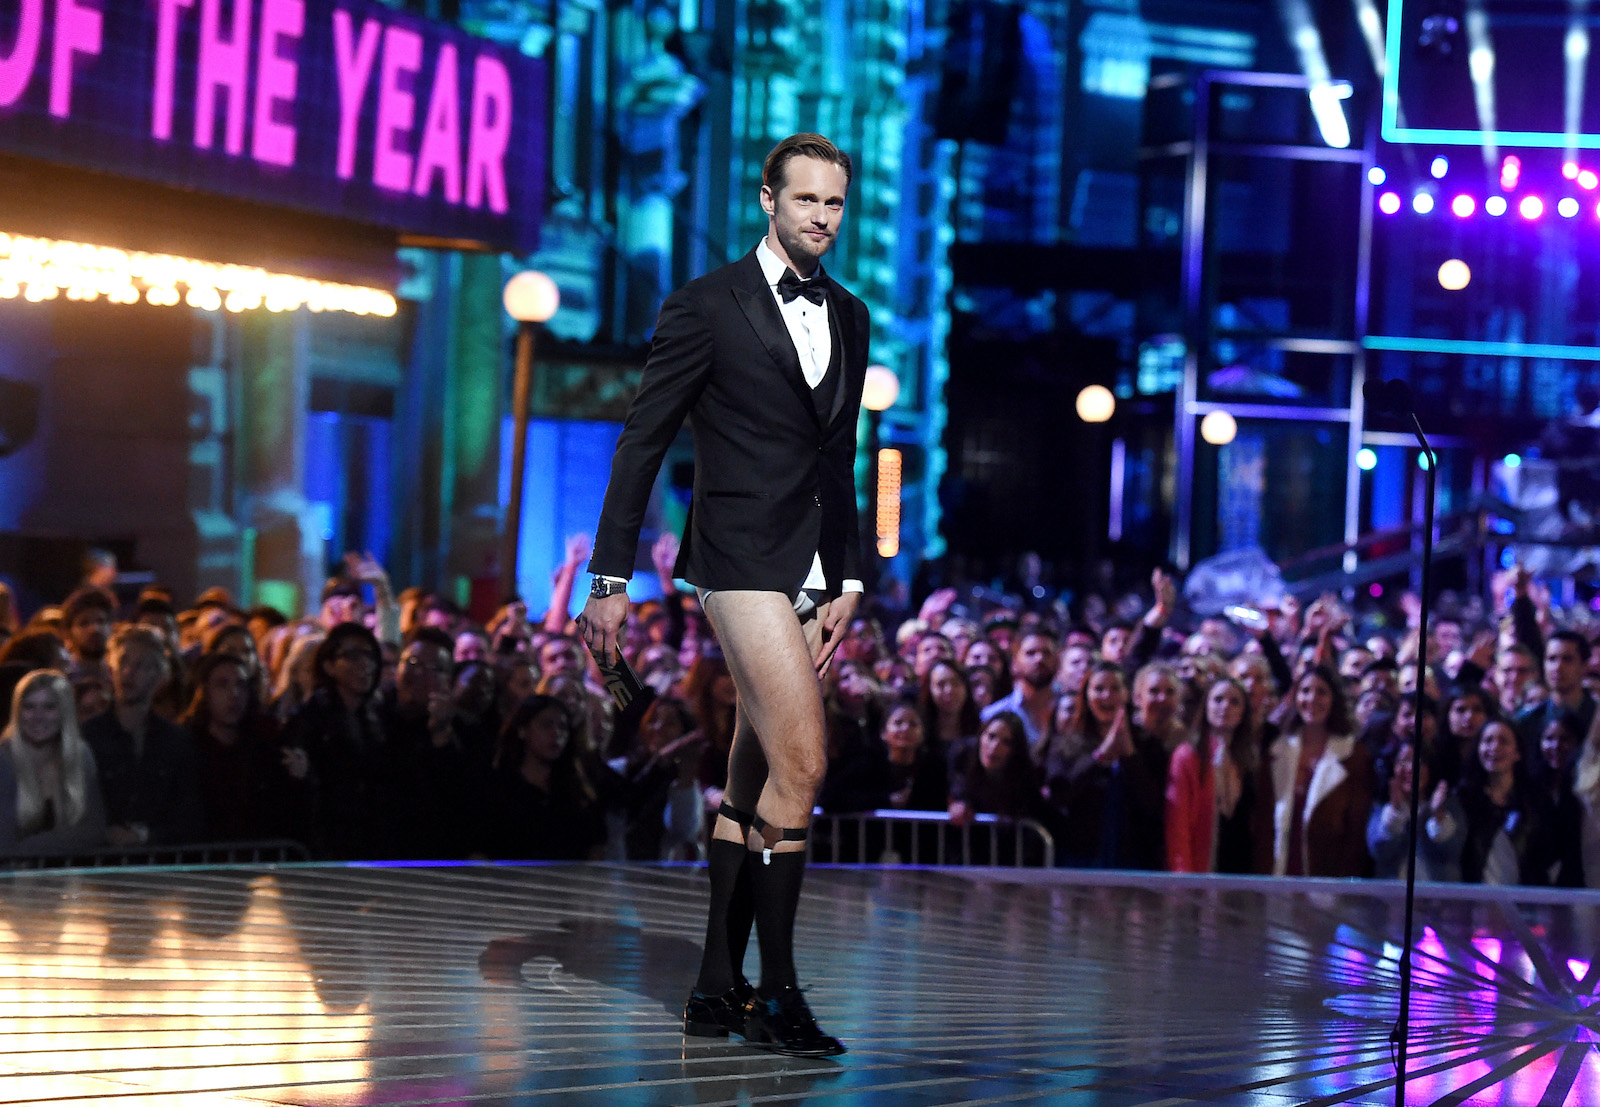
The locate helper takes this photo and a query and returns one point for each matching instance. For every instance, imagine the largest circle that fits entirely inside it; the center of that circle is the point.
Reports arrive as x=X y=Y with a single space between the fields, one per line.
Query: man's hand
x=600 y=624
x=835 y=625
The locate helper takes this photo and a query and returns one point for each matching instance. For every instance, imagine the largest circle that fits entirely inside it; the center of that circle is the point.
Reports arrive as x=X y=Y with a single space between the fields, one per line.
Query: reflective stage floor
x=562 y=984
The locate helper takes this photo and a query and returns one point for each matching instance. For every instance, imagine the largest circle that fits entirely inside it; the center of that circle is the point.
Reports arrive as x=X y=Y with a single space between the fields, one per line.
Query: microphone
x=1387 y=397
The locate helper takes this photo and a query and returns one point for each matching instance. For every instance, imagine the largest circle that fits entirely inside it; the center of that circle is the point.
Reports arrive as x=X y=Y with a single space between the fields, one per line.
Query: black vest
x=828 y=396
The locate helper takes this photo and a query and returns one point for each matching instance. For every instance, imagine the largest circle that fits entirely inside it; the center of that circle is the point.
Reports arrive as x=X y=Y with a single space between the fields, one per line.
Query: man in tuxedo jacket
x=766 y=358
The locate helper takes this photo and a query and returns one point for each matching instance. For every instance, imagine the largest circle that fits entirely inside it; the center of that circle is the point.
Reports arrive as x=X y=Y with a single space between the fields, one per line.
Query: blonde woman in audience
x=1158 y=704
x=50 y=799
x=298 y=677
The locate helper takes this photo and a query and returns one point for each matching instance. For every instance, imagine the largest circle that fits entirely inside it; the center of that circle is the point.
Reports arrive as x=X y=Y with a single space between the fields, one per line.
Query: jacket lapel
x=851 y=375
x=761 y=310
x=1329 y=773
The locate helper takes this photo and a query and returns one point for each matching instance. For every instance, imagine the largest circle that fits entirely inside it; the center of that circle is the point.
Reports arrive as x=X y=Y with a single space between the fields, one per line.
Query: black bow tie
x=790 y=286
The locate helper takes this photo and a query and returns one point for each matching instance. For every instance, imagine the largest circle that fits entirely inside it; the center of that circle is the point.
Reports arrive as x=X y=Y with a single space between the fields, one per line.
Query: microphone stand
x=1402 y=1026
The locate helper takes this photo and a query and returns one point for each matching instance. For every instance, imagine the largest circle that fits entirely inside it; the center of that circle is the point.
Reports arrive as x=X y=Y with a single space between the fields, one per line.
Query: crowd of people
x=395 y=727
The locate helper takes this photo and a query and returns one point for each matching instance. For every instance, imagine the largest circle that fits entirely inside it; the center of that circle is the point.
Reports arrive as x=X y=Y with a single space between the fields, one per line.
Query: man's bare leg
x=770 y=655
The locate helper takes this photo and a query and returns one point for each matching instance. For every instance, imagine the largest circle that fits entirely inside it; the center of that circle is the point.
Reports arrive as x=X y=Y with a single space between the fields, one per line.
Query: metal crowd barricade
x=273 y=852
x=894 y=837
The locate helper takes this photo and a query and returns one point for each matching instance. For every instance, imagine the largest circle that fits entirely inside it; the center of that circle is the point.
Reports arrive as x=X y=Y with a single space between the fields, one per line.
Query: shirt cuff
x=852 y=586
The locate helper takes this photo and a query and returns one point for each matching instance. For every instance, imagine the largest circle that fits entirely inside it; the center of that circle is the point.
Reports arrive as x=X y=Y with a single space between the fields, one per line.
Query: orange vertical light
x=888 y=520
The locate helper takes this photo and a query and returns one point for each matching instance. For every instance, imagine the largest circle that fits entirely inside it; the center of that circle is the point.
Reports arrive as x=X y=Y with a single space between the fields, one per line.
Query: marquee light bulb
x=1463 y=206
x=1389 y=203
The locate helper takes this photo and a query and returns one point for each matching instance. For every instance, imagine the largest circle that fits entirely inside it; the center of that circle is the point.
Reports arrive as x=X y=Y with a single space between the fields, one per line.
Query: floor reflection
x=562 y=984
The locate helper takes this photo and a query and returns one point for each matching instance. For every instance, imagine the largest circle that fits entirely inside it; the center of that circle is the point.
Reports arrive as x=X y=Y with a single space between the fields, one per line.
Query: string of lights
x=38 y=269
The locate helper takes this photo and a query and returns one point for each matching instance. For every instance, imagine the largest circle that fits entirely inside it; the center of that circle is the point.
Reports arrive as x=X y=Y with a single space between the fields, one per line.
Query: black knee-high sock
x=775 y=885
x=741 y=917
x=726 y=861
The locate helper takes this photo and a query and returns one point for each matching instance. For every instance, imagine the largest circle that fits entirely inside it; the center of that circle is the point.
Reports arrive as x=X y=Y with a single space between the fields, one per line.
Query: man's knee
x=804 y=768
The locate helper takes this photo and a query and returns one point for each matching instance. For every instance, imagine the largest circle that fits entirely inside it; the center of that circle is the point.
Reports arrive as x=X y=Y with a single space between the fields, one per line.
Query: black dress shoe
x=782 y=1022
x=716 y=1016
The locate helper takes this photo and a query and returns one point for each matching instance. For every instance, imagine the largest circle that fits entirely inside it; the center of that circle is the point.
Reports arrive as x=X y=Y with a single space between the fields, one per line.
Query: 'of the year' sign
x=343 y=108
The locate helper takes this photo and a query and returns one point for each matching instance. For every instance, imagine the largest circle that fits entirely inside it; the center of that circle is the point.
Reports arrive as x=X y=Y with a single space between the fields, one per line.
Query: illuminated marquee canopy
x=337 y=107
x=43 y=269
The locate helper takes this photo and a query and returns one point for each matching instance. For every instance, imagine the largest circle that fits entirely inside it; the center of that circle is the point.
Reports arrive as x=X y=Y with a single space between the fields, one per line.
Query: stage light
x=1218 y=428
x=1389 y=203
x=1454 y=275
x=1366 y=459
x=1375 y=590
x=1495 y=205
x=1463 y=205
x=1588 y=179
x=1567 y=206
x=1422 y=203
x=1510 y=172
x=1512 y=461
x=1569 y=170
x=1440 y=166
x=1376 y=175
x=1531 y=207
x=1096 y=404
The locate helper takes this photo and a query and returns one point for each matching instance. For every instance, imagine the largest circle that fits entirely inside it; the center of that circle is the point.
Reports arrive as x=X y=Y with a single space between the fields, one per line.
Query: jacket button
x=817 y=500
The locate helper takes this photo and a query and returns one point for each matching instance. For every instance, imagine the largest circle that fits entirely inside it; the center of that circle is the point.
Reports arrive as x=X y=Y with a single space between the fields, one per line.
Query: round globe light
x=1218 y=428
x=1096 y=404
x=531 y=297
x=1454 y=275
x=880 y=389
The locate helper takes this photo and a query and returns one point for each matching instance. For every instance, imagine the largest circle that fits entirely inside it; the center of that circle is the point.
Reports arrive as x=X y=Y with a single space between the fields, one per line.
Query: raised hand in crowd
x=1166 y=598
x=1481 y=651
x=936 y=608
x=664 y=556
x=578 y=547
x=363 y=568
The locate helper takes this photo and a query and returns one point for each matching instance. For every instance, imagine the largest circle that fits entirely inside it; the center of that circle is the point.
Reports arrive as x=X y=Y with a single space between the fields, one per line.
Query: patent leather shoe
x=781 y=1021
x=716 y=1016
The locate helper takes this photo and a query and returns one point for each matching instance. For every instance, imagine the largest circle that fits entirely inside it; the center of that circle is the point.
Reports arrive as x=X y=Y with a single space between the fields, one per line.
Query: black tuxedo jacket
x=774 y=482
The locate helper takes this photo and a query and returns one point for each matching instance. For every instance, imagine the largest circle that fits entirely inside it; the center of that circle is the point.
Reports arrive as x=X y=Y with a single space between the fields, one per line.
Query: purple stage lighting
x=1495 y=205
x=1510 y=172
x=1440 y=166
x=1531 y=207
x=1569 y=170
x=1567 y=206
x=1389 y=203
x=1588 y=179
x=1422 y=203
x=1463 y=206
x=1376 y=175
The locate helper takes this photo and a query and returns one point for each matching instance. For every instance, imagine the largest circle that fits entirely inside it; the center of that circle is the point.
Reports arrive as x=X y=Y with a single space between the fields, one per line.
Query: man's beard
x=799 y=247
